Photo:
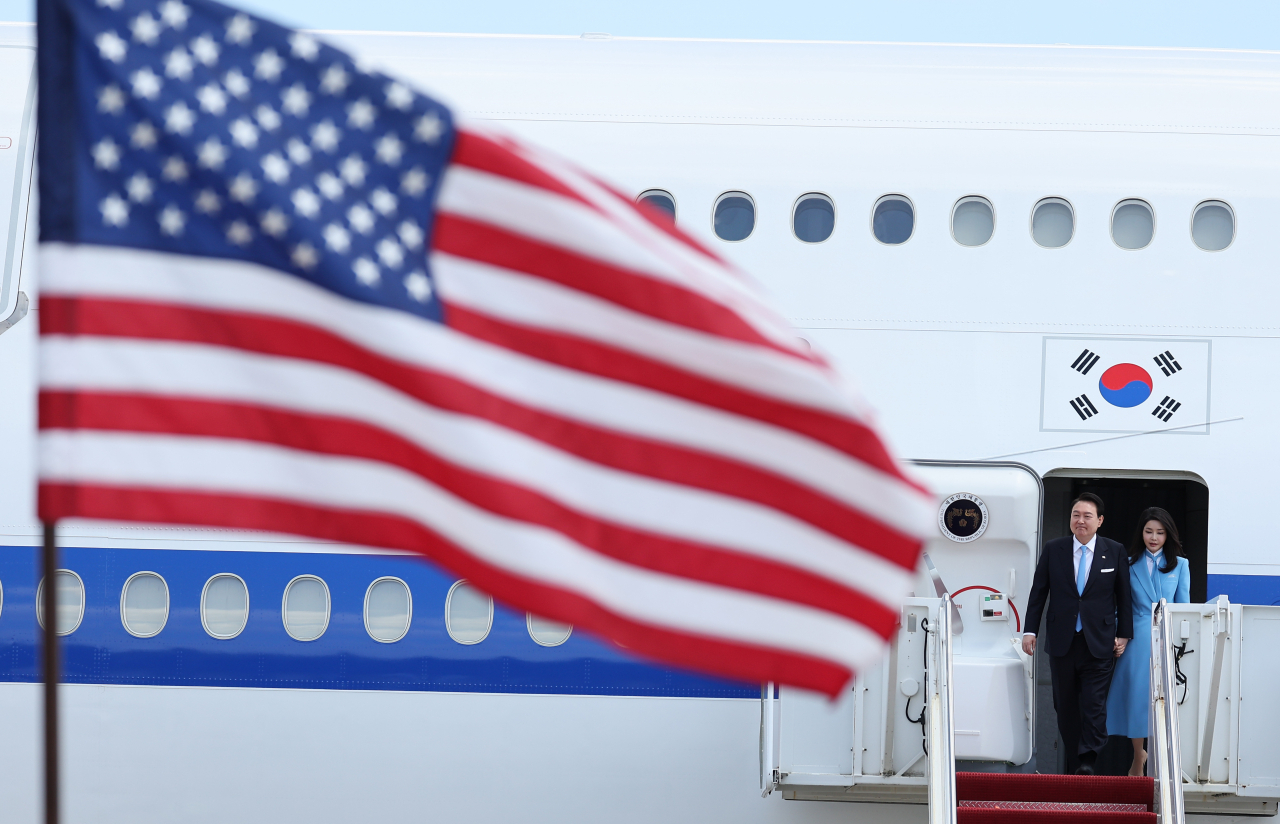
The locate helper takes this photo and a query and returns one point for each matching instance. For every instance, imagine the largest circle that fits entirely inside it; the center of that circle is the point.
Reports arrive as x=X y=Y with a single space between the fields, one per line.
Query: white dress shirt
x=1076 y=549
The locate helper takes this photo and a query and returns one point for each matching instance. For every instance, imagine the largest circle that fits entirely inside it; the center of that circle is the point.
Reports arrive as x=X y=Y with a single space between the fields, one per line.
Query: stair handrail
x=942 y=733
x=1221 y=629
x=768 y=767
x=1165 y=757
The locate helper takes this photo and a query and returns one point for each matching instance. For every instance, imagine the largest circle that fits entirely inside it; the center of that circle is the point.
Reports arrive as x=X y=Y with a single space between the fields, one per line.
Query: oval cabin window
x=306 y=608
x=973 y=221
x=68 y=595
x=468 y=613
x=813 y=218
x=734 y=216
x=661 y=200
x=224 y=606
x=1053 y=223
x=1213 y=225
x=388 y=610
x=1133 y=224
x=547 y=633
x=144 y=604
x=893 y=220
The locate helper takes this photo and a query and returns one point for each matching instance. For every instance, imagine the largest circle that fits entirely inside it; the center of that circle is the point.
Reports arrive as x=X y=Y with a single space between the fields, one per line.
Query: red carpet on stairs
x=1007 y=798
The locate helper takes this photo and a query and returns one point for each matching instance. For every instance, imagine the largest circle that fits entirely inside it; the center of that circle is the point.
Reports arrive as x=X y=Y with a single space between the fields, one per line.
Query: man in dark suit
x=1085 y=579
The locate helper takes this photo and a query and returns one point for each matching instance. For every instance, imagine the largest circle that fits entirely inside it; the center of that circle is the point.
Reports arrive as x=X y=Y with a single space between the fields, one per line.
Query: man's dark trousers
x=1080 y=686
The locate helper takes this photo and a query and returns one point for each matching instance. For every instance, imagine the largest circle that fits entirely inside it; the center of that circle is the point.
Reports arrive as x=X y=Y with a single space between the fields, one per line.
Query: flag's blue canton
x=207 y=131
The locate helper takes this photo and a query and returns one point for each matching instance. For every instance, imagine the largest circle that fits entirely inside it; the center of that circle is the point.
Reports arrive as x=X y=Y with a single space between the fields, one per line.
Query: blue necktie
x=1082 y=577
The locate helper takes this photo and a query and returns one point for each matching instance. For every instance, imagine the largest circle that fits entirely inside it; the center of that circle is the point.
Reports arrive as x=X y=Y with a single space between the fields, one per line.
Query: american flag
x=282 y=291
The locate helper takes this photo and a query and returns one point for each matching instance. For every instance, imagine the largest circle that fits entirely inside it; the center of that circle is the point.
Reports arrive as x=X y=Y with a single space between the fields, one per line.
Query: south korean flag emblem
x=1125 y=385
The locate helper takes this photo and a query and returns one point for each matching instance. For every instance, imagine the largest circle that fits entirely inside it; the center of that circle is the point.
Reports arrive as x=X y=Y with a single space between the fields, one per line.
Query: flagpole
x=49 y=558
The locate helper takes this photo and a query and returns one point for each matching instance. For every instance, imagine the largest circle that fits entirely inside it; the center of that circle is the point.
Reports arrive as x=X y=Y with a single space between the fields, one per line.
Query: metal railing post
x=942 y=760
x=768 y=768
x=1221 y=625
x=1166 y=757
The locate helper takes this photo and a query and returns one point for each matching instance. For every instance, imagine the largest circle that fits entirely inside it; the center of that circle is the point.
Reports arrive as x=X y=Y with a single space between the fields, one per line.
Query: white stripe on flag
x=264 y=470
x=183 y=370
x=624 y=408
x=518 y=298
x=601 y=234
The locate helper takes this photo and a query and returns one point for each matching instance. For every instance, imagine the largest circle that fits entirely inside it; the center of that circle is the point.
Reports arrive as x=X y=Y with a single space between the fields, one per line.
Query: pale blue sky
x=1248 y=25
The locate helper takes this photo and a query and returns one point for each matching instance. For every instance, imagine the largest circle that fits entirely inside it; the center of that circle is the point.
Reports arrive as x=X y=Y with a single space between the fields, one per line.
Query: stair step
x=1075 y=789
x=1056 y=806
x=989 y=815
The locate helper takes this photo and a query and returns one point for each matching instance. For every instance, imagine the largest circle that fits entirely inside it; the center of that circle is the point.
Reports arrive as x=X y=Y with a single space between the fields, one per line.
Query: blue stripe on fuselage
x=100 y=651
x=1246 y=589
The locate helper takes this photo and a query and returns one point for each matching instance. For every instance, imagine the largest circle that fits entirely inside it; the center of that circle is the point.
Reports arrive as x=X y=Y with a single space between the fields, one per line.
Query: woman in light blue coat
x=1156 y=570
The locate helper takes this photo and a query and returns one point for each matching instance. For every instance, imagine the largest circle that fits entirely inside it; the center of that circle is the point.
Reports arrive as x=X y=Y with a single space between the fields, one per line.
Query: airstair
x=1003 y=798
x=1215 y=721
x=948 y=720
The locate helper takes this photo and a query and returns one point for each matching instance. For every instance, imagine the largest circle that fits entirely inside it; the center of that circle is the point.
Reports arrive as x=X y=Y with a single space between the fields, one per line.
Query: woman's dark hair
x=1172 y=545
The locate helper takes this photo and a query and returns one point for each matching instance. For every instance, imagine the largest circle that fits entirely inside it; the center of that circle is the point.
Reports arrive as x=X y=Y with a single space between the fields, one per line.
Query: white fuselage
x=950 y=343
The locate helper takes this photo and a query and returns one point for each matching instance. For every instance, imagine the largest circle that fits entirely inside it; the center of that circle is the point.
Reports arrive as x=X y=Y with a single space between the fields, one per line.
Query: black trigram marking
x=1085 y=362
x=1084 y=407
x=1167 y=364
x=1165 y=409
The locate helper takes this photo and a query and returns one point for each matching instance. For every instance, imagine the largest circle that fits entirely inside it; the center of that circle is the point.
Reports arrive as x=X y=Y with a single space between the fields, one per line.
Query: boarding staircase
x=1010 y=798
x=1205 y=752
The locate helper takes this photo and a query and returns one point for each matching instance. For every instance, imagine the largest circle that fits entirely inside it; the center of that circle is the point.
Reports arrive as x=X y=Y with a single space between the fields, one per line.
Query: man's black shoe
x=1085 y=769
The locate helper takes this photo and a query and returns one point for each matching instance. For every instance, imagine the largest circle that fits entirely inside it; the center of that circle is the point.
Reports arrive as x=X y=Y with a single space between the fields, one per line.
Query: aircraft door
x=869 y=743
x=984 y=553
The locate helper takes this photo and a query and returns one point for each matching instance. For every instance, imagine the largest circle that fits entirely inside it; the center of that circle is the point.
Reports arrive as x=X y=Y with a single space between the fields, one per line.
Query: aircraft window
x=388 y=609
x=813 y=218
x=224 y=605
x=735 y=216
x=1213 y=225
x=893 y=219
x=1053 y=222
x=468 y=613
x=306 y=608
x=659 y=199
x=546 y=632
x=1133 y=224
x=68 y=596
x=144 y=604
x=973 y=221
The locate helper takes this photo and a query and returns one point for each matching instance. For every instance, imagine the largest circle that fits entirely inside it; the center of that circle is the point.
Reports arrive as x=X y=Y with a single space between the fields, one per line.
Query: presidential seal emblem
x=963 y=517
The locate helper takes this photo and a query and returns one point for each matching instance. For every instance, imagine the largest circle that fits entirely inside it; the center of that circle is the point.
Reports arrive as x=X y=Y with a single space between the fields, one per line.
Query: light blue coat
x=1130 y=698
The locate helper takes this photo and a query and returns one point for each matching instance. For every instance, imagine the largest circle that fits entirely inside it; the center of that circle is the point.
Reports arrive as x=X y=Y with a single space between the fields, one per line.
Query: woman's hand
x=1121 y=643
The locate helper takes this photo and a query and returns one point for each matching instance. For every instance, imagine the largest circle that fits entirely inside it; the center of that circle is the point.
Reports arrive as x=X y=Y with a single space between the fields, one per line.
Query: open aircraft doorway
x=1125 y=493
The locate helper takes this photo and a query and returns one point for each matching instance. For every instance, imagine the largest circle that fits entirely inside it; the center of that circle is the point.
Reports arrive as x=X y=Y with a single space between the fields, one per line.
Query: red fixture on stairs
x=1011 y=798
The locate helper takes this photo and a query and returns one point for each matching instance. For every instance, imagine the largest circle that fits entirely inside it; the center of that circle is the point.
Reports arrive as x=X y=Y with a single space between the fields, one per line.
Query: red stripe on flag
x=657 y=459
x=665 y=222
x=336 y=436
x=728 y=658
x=585 y=355
x=503 y=159
x=670 y=302
x=507 y=159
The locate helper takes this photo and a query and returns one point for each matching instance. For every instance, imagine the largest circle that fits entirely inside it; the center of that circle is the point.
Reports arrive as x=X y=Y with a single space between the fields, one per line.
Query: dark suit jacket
x=1105 y=609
